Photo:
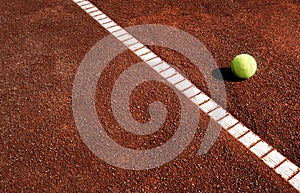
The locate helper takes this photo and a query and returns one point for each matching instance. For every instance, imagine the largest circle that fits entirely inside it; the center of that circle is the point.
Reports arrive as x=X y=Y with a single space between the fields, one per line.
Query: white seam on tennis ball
x=249 y=62
x=271 y=157
x=251 y=67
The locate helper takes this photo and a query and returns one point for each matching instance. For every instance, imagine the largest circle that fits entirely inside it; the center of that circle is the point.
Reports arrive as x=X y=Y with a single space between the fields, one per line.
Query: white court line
x=271 y=157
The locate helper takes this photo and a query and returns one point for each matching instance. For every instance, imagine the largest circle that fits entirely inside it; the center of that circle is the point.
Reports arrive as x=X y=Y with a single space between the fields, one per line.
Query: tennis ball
x=243 y=66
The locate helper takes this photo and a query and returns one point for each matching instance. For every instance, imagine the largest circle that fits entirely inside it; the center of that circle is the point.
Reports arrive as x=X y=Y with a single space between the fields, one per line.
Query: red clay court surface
x=42 y=44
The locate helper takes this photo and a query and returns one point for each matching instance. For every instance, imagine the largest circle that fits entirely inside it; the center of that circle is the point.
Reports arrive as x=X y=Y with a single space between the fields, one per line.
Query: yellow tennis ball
x=243 y=66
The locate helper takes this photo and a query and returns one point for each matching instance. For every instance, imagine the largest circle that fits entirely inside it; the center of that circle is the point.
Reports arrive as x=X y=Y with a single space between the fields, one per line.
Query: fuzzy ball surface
x=243 y=66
